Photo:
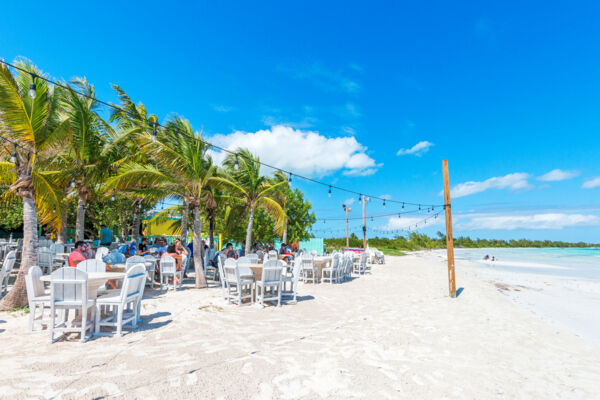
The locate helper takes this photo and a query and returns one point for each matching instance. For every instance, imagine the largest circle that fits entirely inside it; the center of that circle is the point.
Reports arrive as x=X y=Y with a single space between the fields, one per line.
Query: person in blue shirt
x=105 y=236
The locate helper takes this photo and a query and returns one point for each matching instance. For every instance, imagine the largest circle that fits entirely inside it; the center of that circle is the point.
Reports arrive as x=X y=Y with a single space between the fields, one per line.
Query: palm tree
x=251 y=189
x=27 y=126
x=85 y=161
x=180 y=169
x=281 y=195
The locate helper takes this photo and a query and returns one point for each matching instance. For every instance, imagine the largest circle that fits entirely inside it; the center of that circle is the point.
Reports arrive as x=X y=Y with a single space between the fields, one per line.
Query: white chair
x=330 y=273
x=45 y=259
x=150 y=262
x=309 y=271
x=222 y=279
x=313 y=253
x=293 y=281
x=261 y=255
x=134 y=260
x=36 y=296
x=69 y=290
x=58 y=248
x=360 y=266
x=272 y=255
x=253 y=258
x=244 y=260
x=7 y=267
x=210 y=272
x=125 y=303
x=238 y=288
x=92 y=266
x=168 y=269
x=270 y=284
x=101 y=253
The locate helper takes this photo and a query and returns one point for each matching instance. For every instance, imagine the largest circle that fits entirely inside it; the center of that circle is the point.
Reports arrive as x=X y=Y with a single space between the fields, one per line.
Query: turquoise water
x=574 y=262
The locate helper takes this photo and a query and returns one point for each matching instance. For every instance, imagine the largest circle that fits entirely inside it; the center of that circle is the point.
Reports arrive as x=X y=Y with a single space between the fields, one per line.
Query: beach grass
x=392 y=252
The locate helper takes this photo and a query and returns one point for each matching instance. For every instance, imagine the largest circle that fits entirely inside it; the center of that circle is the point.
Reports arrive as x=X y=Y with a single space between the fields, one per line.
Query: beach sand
x=392 y=334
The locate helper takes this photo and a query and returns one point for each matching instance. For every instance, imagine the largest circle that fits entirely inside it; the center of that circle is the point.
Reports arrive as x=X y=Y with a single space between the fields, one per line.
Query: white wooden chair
x=7 y=267
x=270 y=284
x=210 y=272
x=330 y=273
x=45 y=259
x=224 y=289
x=150 y=262
x=360 y=266
x=168 y=270
x=125 y=303
x=92 y=266
x=292 y=280
x=244 y=260
x=58 y=248
x=309 y=271
x=36 y=297
x=238 y=288
x=134 y=260
x=101 y=253
x=69 y=290
x=261 y=255
x=253 y=258
x=272 y=255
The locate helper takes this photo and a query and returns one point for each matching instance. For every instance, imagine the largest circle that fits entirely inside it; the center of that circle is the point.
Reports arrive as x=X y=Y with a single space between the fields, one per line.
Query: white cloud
x=304 y=152
x=395 y=223
x=536 y=221
x=222 y=108
x=558 y=175
x=338 y=80
x=417 y=150
x=591 y=183
x=514 y=181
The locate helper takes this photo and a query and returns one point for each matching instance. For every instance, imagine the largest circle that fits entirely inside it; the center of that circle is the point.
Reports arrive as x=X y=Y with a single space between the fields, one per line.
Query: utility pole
x=449 y=238
x=347 y=209
x=364 y=202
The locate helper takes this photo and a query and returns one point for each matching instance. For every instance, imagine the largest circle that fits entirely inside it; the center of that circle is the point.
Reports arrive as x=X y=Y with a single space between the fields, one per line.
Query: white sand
x=393 y=334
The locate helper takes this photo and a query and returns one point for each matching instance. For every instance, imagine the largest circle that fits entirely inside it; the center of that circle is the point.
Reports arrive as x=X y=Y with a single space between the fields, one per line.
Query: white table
x=95 y=280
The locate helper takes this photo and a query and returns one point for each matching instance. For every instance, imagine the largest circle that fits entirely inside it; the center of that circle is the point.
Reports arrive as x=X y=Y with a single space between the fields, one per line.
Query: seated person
x=229 y=251
x=77 y=255
x=162 y=249
x=172 y=252
x=144 y=247
x=285 y=250
x=89 y=251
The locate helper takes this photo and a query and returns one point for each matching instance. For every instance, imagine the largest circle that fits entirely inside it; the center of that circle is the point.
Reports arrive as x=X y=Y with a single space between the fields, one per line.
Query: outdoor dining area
x=103 y=294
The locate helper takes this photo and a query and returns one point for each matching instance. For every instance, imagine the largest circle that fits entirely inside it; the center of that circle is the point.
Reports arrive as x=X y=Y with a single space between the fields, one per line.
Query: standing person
x=105 y=236
x=77 y=255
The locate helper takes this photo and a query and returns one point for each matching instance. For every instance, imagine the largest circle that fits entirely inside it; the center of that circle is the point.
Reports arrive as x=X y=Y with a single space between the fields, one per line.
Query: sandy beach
x=392 y=334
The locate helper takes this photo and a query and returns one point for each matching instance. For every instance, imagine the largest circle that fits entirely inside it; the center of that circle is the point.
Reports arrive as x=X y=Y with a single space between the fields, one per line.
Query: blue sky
x=344 y=91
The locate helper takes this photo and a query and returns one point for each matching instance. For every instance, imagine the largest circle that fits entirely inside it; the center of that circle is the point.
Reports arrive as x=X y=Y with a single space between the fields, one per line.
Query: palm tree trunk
x=62 y=233
x=18 y=294
x=211 y=231
x=249 y=230
x=198 y=266
x=80 y=221
x=284 y=236
x=124 y=229
x=135 y=235
x=184 y=223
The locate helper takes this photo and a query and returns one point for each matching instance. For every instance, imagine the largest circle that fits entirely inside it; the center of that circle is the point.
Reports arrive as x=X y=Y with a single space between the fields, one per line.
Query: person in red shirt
x=77 y=255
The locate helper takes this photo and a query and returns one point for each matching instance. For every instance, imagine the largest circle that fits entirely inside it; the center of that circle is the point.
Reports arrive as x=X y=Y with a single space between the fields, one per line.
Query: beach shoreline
x=391 y=334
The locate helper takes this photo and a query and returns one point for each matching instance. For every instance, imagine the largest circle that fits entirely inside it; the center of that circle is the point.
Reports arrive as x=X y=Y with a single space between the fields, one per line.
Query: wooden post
x=364 y=199
x=449 y=239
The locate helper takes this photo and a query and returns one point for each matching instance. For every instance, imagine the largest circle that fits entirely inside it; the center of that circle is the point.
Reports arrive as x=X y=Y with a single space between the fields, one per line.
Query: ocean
x=578 y=263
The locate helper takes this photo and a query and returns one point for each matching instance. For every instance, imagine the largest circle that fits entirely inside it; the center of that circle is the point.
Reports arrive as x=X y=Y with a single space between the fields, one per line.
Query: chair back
x=273 y=264
x=271 y=274
x=231 y=272
x=244 y=260
x=272 y=255
x=68 y=285
x=101 y=253
x=308 y=262
x=335 y=260
x=313 y=253
x=253 y=258
x=45 y=257
x=92 y=266
x=221 y=272
x=131 y=261
x=134 y=281
x=9 y=263
x=261 y=255
x=168 y=265
x=185 y=260
x=33 y=284
x=58 y=248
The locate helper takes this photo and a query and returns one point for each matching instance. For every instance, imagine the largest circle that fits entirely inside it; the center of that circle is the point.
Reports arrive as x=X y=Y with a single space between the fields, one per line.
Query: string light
x=403 y=206
x=290 y=179
x=236 y=165
x=13 y=157
x=329 y=194
x=32 y=89
x=72 y=183
x=107 y=104
x=112 y=198
x=154 y=133
x=359 y=198
x=383 y=203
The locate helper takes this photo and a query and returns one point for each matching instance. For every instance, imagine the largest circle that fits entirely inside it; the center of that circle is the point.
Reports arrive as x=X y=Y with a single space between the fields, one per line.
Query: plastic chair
x=36 y=297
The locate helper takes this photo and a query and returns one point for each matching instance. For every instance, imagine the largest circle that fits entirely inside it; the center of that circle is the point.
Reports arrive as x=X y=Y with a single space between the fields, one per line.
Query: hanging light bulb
x=13 y=157
x=237 y=163
x=72 y=183
x=32 y=89
x=360 y=197
x=371 y=219
x=419 y=207
x=112 y=198
x=154 y=132
x=403 y=206
x=383 y=203
x=329 y=191
x=290 y=179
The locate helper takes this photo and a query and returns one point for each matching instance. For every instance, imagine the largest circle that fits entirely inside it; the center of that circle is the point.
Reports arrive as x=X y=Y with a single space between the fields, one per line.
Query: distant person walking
x=105 y=236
